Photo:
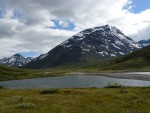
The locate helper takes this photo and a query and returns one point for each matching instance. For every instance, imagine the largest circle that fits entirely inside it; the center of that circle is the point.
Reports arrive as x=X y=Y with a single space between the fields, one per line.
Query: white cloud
x=31 y=31
x=64 y=24
x=9 y=27
x=132 y=24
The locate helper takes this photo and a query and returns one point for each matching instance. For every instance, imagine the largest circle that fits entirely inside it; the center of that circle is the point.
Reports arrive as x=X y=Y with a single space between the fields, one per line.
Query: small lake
x=75 y=81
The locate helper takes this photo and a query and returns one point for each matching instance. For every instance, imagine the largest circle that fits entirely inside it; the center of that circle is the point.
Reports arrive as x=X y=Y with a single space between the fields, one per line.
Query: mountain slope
x=144 y=42
x=15 y=61
x=95 y=43
x=136 y=60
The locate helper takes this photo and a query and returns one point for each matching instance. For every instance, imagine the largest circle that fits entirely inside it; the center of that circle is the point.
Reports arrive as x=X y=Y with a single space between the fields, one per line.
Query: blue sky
x=140 y=5
x=2 y=9
x=33 y=27
x=29 y=54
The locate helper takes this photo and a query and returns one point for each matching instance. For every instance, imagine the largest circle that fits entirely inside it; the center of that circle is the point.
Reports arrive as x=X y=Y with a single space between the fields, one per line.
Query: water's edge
x=75 y=81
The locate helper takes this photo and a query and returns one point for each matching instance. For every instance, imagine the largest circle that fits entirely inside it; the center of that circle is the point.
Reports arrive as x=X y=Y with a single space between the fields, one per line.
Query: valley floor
x=104 y=100
x=10 y=73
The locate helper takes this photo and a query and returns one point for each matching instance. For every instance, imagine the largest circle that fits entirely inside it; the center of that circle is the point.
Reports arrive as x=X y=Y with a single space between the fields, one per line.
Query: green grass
x=10 y=73
x=105 y=100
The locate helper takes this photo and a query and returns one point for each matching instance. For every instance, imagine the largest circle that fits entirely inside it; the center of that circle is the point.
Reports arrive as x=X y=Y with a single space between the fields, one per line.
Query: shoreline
x=126 y=76
x=120 y=75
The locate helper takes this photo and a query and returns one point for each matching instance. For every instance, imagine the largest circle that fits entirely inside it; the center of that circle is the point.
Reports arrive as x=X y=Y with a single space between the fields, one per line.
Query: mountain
x=94 y=43
x=15 y=61
x=136 y=60
x=144 y=42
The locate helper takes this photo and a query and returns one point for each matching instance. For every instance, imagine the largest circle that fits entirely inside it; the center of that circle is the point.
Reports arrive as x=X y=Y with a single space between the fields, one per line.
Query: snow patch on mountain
x=121 y=53
x=116 y=46
x=43 y=56
x=79 y=34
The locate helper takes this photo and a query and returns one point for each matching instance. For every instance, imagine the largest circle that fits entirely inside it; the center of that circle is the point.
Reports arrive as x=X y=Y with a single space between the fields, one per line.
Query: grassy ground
x=10 y=73
x=106 y=100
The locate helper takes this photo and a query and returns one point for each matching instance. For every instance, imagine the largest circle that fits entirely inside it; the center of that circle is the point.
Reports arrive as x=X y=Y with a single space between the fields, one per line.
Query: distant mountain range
x=16 y=60
x=144 y=42
x=97 y=43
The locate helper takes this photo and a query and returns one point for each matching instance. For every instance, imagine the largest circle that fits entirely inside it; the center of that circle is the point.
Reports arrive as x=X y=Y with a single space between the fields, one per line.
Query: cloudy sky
x=32 y=27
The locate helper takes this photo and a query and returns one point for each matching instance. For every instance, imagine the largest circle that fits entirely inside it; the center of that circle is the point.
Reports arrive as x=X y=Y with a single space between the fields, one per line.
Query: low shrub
x=114 y=85
x=49 y=91
x=1 y=87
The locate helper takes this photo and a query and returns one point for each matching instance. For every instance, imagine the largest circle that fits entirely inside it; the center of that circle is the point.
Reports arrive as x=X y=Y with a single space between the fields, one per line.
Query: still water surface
x=75 y=81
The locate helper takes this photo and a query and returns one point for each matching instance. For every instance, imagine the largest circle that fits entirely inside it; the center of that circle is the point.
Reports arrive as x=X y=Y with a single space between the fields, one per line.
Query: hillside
x=137 y=60
x=11 y=73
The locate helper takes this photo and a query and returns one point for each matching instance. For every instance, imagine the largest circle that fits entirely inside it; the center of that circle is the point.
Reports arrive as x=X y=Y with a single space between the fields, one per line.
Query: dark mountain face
x=144 y=42
x=94 y=43
x=15 y=61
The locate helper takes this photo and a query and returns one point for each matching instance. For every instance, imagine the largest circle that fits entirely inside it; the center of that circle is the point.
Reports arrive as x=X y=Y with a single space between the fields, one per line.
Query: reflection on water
x=138 y=73
x=79 y=81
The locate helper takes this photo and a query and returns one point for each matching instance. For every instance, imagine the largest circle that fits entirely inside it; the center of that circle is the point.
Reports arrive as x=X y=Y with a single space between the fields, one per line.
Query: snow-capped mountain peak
x=16 y=60
x=94 y=43
x=107 y=34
